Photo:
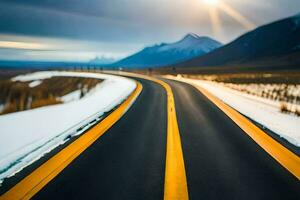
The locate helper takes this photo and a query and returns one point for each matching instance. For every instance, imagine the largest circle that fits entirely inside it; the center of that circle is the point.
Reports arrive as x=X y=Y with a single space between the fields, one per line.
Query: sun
x=211 y=2
x=214 y=7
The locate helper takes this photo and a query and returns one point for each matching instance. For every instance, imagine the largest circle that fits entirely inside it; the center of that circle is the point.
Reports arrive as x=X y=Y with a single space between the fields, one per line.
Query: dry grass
x=283 y=88
x=287 y=94
x=18 y=96
x=239 y=78
x=297 y=112
x=284 y=108
x=45 y=102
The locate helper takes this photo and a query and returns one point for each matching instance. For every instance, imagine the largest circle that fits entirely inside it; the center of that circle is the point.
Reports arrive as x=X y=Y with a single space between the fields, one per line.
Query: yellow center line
x=175 y=186
x=284 y=156
x=175 y=175
x=35 y=181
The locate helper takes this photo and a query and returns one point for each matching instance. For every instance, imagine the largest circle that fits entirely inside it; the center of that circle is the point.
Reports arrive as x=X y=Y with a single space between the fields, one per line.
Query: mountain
x=102 y=60
x=272 y=45
x=164 y=54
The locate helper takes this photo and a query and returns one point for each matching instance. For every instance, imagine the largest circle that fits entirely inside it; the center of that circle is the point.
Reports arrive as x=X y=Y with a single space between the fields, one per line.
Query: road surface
x=221 y=161
x=128 y=161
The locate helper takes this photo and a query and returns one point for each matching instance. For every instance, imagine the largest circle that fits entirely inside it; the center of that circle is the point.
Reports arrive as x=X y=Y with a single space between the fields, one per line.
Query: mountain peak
x=274 y=45
x=163 y=54
x=191 y=36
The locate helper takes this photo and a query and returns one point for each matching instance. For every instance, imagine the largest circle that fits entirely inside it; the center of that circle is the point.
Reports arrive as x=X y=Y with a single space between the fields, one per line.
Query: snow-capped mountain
x=189 y=47
x=191 y=44
x=273 y=45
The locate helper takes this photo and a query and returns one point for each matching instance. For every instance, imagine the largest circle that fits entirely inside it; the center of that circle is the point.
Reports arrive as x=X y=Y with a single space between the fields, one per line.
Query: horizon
x=67 y=32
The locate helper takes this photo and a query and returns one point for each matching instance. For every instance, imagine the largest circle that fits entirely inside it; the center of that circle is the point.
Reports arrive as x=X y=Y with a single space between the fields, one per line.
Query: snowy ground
x=277 y=94
x=28 y=135
x=261 y=110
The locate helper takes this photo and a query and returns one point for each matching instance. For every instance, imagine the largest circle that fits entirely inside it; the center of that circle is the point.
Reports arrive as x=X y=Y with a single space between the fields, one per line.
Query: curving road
x=221 y=161
x=128 y=161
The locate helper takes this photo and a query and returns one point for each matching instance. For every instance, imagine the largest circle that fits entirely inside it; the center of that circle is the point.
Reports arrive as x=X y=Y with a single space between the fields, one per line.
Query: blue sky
x=78 y=30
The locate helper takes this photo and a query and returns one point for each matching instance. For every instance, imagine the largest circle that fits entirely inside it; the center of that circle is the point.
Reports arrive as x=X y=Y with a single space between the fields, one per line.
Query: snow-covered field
x=28 y=135
x=278 y=94
x=264 y=111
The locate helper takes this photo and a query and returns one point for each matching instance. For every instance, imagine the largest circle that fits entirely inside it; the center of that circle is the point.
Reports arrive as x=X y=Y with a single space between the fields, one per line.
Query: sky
x=78 y=30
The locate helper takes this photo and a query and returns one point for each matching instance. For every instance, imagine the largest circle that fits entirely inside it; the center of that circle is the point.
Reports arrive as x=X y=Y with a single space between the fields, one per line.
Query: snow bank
x=28 y=135
x=72 y=96
x=261 y=110
x=35 y=83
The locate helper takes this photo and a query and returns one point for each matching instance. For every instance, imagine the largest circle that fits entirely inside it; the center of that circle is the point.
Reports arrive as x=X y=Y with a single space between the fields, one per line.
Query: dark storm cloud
x=128 y=20
x=89 y=8
x=47 y=21
x=131 y=24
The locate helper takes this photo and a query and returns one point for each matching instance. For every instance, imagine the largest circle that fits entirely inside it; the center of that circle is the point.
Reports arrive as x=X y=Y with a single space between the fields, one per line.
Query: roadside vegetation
x=281 y=88
x=19 y=96
x=287 y=94
x=260 y=78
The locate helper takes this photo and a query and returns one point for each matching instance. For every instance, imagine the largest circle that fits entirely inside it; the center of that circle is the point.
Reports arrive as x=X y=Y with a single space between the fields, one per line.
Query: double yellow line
x=175 y=186
x=175 y=175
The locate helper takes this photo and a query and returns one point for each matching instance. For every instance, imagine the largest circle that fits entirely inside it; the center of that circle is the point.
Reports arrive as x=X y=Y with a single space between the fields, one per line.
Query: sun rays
x=236 y=15
x=214 y=6
x=215 y=21
x=211 y=2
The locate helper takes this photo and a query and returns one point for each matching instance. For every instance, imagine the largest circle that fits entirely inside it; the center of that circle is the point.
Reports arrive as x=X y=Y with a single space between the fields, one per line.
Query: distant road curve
x=129 y=161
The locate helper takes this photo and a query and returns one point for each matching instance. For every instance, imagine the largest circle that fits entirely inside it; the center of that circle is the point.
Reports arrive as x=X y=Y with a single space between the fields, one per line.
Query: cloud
x=28 y=20
x=44 y=48
x=22 y=45
x=123 y=26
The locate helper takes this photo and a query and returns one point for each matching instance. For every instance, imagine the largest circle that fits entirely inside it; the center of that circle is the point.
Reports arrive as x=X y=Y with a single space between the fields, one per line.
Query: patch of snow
x=28 y=135
x=34 y=83
x=194 y=35
x=191 y=43
x=1 y=107
x=72 y=96
x=33 y=76
x=276 y=94
x=258 y=109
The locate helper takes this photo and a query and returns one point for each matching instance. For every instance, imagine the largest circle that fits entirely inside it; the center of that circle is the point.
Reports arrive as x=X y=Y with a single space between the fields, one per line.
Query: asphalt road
x=127 y=162
x=221 y=161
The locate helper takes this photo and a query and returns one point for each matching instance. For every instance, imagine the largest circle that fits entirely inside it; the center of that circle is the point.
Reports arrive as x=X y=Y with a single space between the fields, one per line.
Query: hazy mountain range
x=102 y=60
x=273 y=46
x=163 y=54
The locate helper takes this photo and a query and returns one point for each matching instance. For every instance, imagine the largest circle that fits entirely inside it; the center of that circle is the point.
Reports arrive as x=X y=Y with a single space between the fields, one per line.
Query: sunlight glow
x=237 y=16
x=21 y=45
x=215 y=22
x=214 y=8
x=211 y=2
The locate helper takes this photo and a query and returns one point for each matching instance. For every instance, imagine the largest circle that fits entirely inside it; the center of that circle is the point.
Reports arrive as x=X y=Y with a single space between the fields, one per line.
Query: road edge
x=286 y=158
x=35 y=181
